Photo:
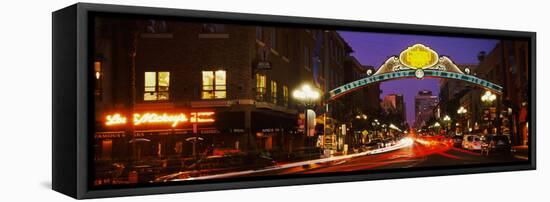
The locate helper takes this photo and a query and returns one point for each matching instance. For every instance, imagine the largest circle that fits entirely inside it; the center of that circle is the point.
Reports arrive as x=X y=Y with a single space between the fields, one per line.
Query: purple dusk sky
x=374 y=48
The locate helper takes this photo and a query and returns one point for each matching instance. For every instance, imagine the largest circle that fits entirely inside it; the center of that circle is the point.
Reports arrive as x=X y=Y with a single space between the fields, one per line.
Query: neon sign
x=418 y=56
x=115 y=119
x=164 y=118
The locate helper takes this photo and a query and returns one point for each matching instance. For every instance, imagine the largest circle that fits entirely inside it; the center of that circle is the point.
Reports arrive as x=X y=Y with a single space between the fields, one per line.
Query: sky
x=374 y=48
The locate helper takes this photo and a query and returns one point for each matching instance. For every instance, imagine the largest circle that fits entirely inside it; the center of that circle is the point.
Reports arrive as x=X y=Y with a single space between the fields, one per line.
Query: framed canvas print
x=154 y=100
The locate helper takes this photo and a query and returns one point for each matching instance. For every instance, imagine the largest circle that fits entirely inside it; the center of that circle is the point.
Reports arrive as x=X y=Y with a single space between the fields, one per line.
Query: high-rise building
x=393 y=106
x=424 y=104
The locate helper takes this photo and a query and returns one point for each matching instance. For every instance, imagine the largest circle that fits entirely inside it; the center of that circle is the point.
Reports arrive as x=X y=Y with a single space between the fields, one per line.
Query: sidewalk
x=521 y=152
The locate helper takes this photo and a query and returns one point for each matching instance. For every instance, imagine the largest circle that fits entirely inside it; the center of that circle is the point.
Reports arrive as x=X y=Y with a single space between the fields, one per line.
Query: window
x=210 y=28
x=306 y=57
x=274 y=39
x=213 y=84
x=260 y=87
x=98 y=78
x=156 y=26
x=259 y=33
x=286 y=44
x=321 y=69
x=157 y=85
x=285 y=96
x=274 y=92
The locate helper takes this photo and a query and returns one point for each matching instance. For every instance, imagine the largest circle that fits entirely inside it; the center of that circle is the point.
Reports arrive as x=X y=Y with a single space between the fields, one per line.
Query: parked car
x=457 y=140
x=388 y=142
x=471 y=142
x=374 y=144
x=496 y=144
x=371 y=146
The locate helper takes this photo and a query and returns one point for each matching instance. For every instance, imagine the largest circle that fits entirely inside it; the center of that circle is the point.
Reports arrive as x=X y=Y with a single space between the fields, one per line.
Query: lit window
x=214 y=84
x=285 y=95
x=157 y=85
x=274 y=92
x=260 y=87
x=98 y=74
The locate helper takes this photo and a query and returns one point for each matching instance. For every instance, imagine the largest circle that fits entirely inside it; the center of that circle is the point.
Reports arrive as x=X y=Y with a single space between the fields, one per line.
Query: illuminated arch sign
x=416 y=61
x=152 y=118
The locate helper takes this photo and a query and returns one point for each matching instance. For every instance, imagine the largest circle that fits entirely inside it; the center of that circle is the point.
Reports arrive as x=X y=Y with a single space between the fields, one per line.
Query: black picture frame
x=73 y=111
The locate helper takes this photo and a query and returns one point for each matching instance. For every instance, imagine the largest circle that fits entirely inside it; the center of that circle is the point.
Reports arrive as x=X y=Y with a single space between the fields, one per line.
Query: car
x=375 y=144
x=496 y=144
x=457 y=140
x=471 y=142
x=388 y=142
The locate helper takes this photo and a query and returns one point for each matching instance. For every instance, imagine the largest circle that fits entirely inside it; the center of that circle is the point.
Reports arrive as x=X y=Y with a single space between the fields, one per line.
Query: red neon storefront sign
x=152 y=118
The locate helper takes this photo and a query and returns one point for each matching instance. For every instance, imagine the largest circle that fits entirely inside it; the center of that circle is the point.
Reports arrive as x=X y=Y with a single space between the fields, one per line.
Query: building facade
x=393 y=107
x=171 y=89
x=507 y=65
x=424 y=103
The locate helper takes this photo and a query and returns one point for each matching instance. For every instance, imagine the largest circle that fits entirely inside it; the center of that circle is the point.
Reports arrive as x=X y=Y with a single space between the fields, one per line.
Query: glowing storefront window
x=214 y=84
x=157 y=86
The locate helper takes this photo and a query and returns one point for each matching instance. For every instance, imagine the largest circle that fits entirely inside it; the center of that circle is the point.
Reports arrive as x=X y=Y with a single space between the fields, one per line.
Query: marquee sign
x=418 y=56
x=418 y=61
x=158 y=118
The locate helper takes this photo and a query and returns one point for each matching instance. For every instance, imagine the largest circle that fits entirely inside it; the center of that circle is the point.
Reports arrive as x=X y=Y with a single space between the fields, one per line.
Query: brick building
x=239 y=77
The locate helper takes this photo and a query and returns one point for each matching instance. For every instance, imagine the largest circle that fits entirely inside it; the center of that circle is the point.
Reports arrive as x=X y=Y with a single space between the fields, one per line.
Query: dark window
x=306 y=58
x=210 y=28
x=259 y=33
x=156 y=26
x=274 y=39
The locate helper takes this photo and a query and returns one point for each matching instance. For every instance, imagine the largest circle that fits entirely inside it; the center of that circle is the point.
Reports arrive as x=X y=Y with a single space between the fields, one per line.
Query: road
x=409 y=152
x=419 y=154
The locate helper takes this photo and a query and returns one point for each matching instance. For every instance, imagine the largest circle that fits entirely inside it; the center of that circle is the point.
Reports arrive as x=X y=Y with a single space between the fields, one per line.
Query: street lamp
x=447 y=121
x=308 y=96
x=488 y=97
x=461 y=112
x=361 y=117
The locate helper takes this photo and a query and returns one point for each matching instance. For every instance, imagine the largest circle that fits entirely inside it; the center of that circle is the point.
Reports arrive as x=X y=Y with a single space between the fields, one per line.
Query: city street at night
x=409 y=152
x=415 y=155
x=226 y=100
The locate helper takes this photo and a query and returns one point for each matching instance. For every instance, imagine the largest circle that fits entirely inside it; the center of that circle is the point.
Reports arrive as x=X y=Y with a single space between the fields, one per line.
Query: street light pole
x=447 y=122
x=462 y=113
x=307 y=96
x=488 y=98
